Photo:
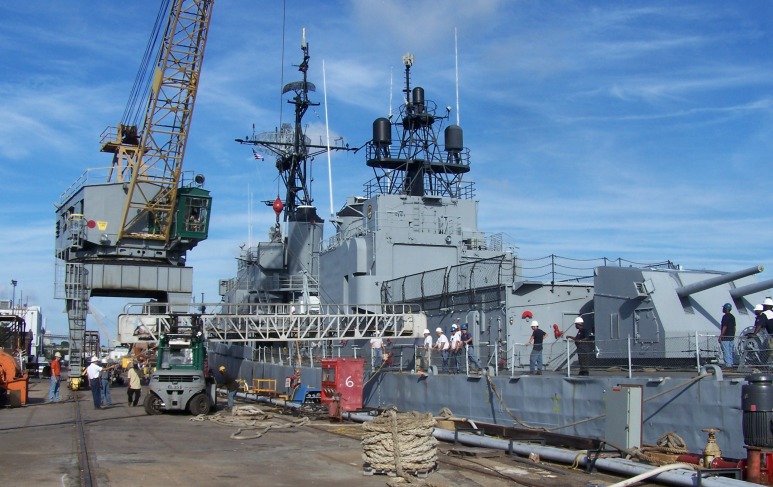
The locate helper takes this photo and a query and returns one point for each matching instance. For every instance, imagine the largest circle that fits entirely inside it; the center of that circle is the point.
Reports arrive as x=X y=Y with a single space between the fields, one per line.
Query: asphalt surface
x=42 y=444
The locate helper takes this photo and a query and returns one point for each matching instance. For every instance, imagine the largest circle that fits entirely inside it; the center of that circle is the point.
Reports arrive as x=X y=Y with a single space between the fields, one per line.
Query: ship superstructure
x=410 y=243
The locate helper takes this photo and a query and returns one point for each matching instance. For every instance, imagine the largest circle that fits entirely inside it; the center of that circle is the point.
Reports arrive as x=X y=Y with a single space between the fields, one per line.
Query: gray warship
x=410 y=246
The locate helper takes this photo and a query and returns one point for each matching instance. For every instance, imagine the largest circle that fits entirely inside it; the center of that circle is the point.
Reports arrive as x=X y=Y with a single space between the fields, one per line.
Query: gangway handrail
x=283 y=322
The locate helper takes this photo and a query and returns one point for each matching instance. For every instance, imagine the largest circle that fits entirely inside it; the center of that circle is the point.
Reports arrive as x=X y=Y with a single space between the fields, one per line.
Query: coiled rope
x=250 y=419
x=400 y=442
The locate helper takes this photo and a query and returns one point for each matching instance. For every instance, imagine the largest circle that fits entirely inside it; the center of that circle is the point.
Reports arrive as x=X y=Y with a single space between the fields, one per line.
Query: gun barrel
x=740 y=292
x=699 y=286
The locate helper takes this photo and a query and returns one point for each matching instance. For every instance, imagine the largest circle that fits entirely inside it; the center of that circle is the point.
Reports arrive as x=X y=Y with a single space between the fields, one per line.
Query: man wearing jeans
x=535 y=359
x=727 y=334
x=92 y=373
x=56 y=370
x=467 y=343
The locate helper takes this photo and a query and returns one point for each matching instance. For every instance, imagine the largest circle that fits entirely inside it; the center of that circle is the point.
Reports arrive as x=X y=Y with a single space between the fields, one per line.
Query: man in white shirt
x=456 y=347
x=444 y=347
x=425 y=352
x=92 y=373
x=377 y=347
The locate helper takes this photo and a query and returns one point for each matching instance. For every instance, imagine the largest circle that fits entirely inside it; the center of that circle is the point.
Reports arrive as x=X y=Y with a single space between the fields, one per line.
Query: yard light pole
x=13 y=298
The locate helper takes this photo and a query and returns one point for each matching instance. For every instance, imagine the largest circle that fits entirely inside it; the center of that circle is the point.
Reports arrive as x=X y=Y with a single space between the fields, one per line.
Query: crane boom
x=128 y=237
x=151 y=160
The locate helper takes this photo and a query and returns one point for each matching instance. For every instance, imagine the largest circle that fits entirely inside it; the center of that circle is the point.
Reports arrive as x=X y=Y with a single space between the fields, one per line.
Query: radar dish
x=298 y=86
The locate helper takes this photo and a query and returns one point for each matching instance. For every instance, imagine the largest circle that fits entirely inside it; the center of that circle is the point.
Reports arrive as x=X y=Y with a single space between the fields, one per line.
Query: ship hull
x=680 y=402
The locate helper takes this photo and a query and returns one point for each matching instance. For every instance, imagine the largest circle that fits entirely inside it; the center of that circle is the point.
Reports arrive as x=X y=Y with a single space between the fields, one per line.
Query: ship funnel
x=740 y=292
x=699 y=286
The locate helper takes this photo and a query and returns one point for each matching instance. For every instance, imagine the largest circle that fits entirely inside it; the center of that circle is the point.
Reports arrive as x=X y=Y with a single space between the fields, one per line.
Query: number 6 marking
x=349 y=382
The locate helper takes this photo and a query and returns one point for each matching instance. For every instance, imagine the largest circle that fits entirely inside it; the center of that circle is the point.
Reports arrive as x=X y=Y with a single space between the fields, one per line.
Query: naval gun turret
x=697 y=287
x=662 y=312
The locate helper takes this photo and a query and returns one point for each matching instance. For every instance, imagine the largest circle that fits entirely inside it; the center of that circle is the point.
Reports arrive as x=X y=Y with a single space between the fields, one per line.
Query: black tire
x=153 y=404
x=199 y=404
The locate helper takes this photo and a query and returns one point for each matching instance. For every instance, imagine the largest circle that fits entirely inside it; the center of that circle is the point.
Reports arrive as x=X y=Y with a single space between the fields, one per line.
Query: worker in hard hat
x=456 y=348
x=766 y=321
x=134 y=389
x=727 y=334
x=56 y=377
x=231 y=385
x=467 y=342
x=92 y=373
x=583 y=340
x=424 y=353
x=105 y=377
x=443 y=346
x=759 y=320
x=535 y=358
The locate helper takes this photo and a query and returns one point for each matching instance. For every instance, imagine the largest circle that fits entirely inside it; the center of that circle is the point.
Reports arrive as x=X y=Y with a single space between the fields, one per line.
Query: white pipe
x=620 y=466
x=651 y=473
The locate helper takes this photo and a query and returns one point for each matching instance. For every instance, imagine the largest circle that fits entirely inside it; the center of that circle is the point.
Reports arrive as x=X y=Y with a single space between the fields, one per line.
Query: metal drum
x=757 y=406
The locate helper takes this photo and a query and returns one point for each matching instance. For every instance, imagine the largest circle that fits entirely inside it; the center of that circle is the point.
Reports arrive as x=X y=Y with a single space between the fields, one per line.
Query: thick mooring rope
x=249 y=418
x=400 y=442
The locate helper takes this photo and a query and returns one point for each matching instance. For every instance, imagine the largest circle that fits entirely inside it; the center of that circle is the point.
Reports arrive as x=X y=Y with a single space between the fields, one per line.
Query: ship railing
x=395 y=183
x=629 y=354
x=438 y=285
x=339 y=238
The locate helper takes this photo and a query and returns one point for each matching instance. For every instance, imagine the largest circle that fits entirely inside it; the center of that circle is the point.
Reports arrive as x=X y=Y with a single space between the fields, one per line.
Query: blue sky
x=639 y=130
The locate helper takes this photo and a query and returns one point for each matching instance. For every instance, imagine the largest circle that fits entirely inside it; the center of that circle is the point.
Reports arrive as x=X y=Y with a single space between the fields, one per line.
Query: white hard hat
x=57 y=354
x=535 y=324
x=426 y=330
x=454 y=327
x=758 y=307
x=94 y=359
x=578 y=320
x=439 y=330
x=104 y=361
x=768 y=302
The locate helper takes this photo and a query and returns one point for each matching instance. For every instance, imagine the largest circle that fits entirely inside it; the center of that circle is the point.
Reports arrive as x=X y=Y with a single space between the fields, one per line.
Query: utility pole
x=13 y=299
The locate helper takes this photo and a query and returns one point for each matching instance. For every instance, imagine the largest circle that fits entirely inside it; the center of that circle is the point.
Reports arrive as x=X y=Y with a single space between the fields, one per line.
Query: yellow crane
x=150 y=159
x=127 y=236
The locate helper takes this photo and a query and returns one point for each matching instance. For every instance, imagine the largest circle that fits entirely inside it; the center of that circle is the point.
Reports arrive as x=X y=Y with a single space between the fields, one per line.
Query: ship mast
x=301 y=238
x=417 y=165
x=293 y=149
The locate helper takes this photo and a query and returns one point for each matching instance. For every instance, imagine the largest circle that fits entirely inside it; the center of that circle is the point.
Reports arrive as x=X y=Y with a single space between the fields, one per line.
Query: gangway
x=281 y=322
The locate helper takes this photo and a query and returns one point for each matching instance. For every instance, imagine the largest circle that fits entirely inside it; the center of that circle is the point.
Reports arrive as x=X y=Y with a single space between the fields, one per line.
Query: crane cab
x=192 y=214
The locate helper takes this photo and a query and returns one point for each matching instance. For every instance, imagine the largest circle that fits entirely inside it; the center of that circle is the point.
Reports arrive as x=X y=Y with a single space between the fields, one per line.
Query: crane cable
x=141 y=89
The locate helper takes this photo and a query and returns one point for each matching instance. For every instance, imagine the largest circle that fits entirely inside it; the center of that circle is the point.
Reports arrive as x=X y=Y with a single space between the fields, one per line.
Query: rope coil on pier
x=250 y=418
x=400 y=443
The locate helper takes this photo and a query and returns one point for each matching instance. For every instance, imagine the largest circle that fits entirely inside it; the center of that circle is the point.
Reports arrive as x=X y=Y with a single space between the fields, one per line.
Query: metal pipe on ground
x=618 y=466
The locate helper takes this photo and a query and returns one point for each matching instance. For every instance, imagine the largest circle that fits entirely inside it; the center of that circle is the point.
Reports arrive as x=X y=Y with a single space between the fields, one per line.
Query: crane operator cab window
x=193 y=213
x=195 y=216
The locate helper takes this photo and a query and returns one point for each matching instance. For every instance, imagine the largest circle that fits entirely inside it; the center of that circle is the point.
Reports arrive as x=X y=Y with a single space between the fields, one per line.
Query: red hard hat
x=527 y=314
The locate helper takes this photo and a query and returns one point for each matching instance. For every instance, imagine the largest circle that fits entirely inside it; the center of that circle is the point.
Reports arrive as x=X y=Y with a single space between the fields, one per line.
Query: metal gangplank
x=234 y=323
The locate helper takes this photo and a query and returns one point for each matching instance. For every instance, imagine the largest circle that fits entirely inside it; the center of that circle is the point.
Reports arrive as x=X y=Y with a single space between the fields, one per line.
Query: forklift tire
x=199 y=404
x=153 y=404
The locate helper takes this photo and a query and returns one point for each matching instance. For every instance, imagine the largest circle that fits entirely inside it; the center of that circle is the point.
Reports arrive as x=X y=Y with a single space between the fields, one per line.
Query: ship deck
x=73 y=444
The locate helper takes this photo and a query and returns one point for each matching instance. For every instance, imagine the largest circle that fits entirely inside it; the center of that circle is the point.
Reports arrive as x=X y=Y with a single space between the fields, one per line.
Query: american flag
x=257 y=156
